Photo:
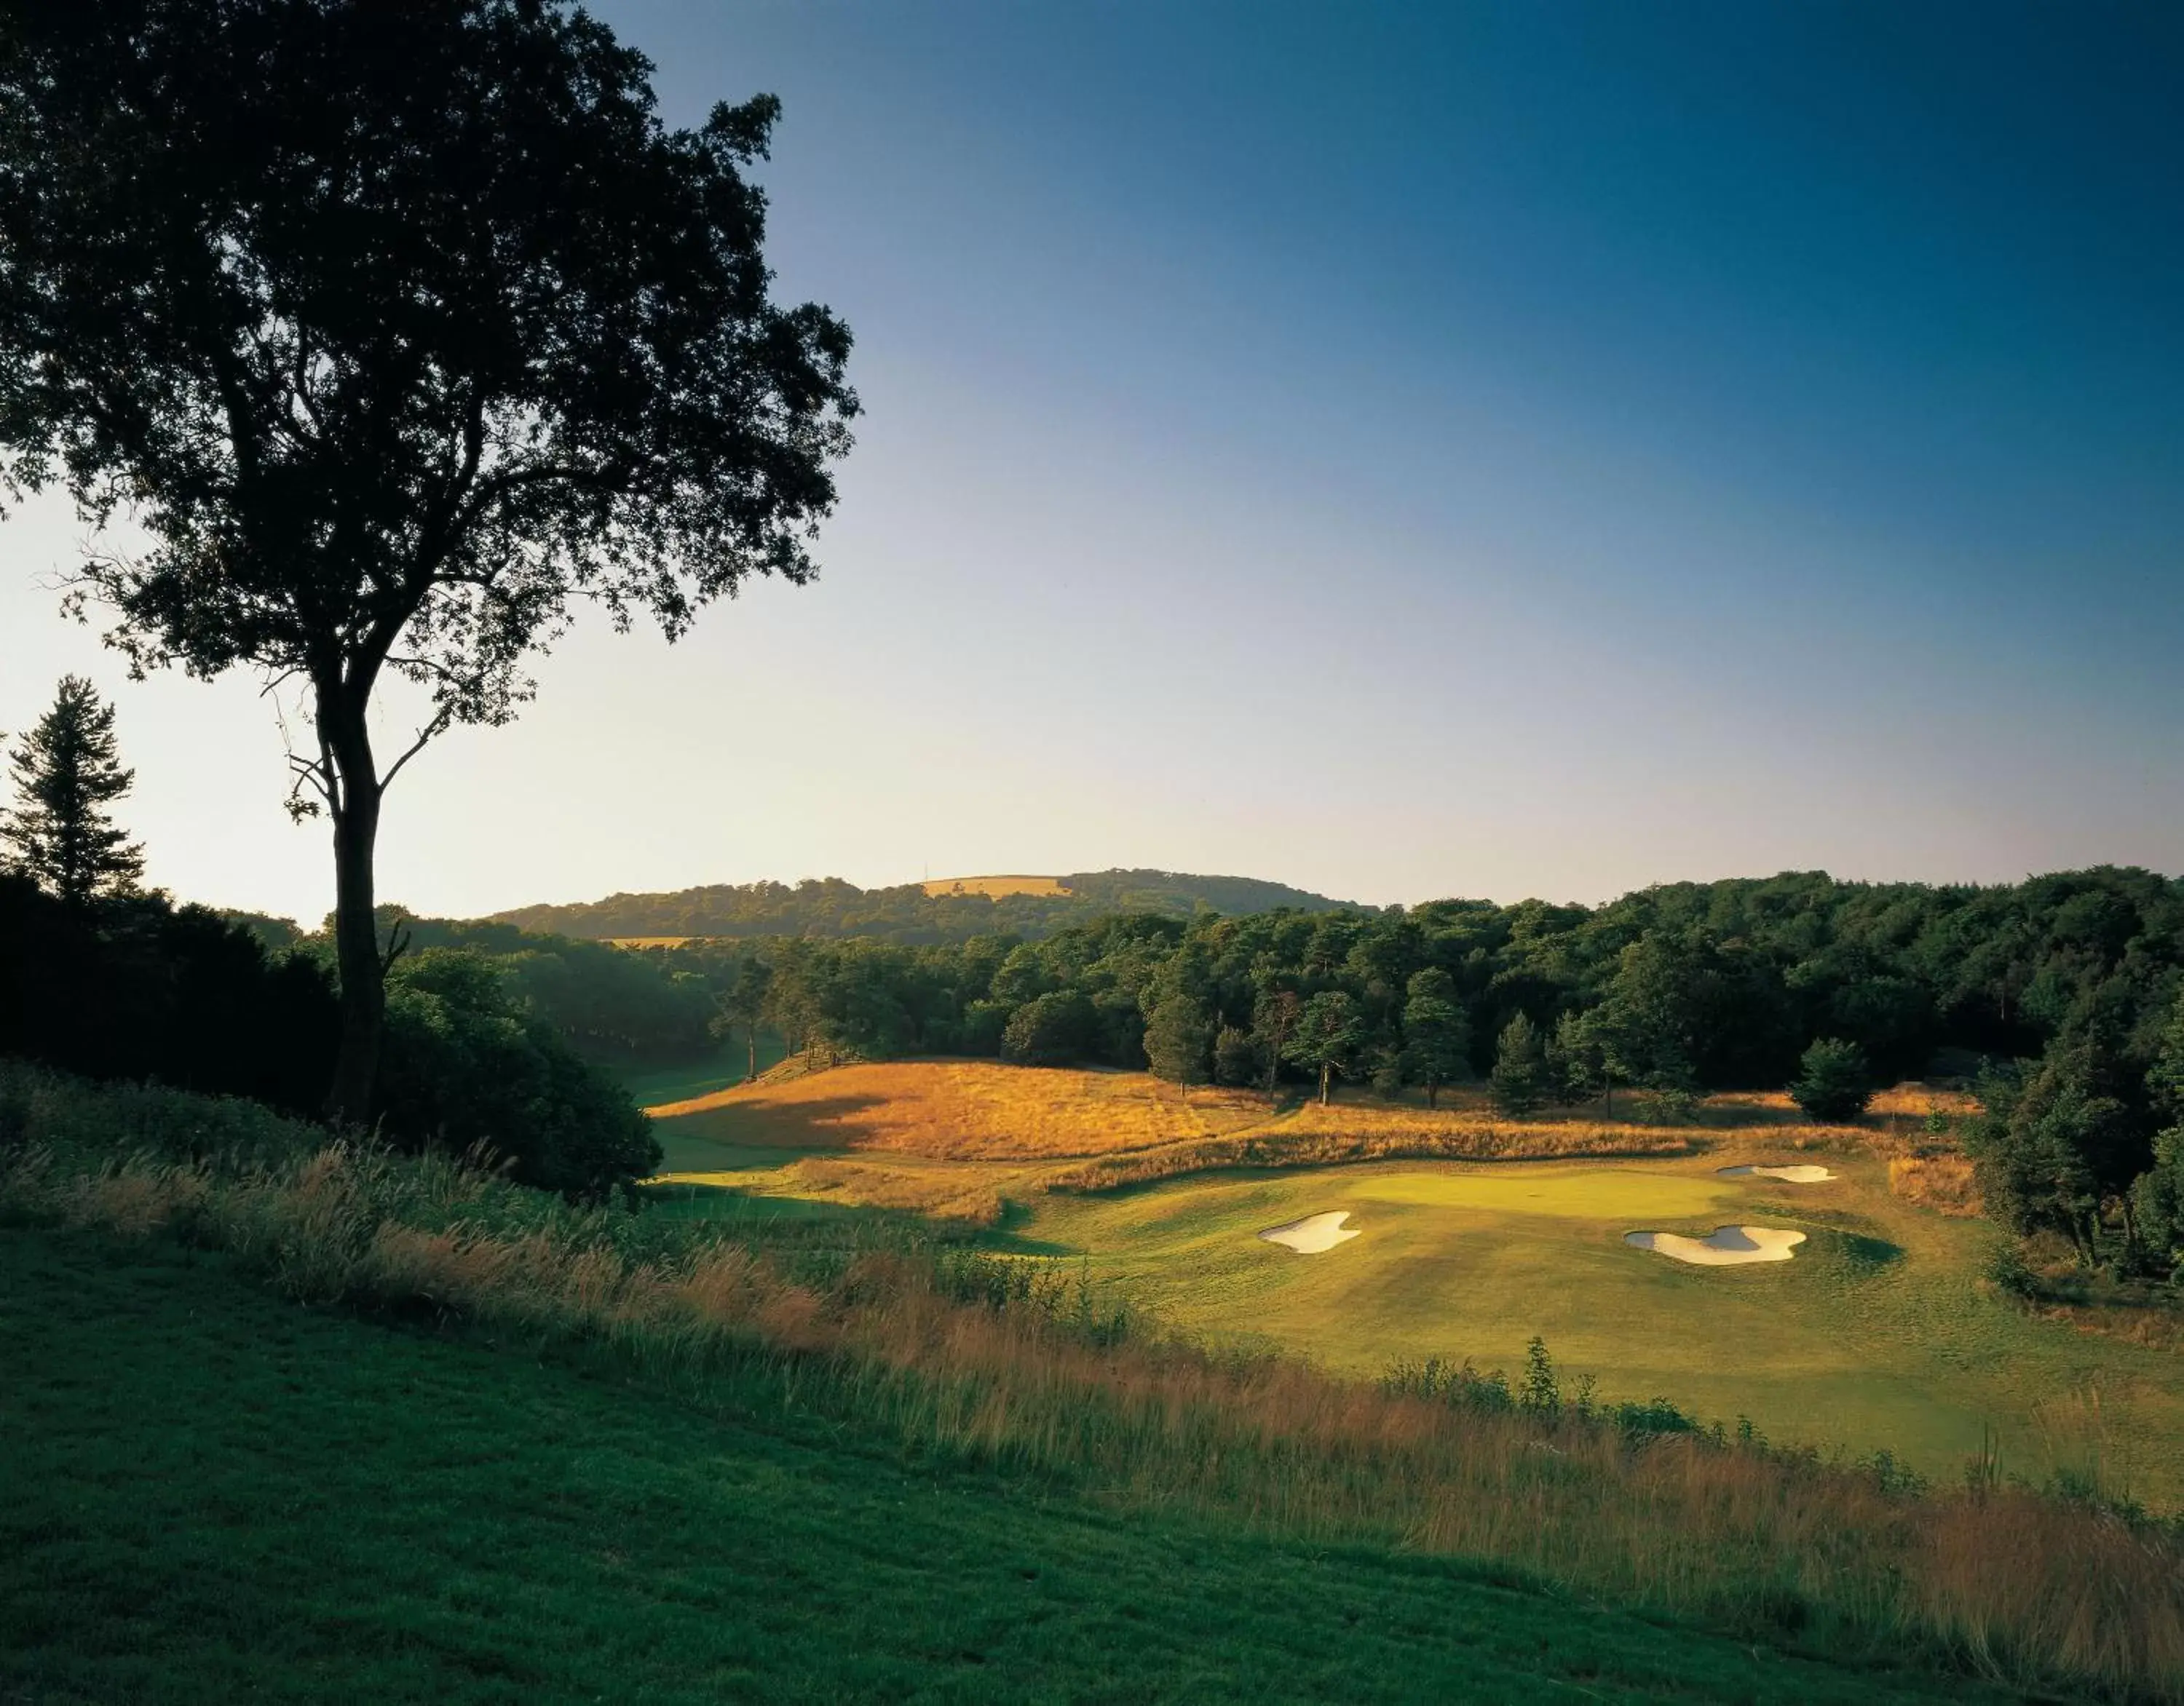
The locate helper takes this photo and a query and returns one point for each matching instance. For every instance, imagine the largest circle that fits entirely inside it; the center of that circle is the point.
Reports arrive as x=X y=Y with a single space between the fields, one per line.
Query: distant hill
x=946 y=909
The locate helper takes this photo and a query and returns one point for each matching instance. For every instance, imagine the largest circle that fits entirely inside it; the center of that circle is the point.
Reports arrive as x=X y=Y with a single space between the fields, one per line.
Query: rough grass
x=1943 y=1183
x=1343 y=1132
x=986 y=1367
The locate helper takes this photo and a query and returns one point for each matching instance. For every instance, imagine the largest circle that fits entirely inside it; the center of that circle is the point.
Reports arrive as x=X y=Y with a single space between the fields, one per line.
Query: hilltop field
x=1475 y=1233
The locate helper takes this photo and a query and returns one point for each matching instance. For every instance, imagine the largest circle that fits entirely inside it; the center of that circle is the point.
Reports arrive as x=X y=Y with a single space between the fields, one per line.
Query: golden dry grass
x=2031 y=1588
x=995 y=886
x=1943 y=1183
x=1317 y=1136
x=1917 y=1101
x=650 y=941
x=954 y=1111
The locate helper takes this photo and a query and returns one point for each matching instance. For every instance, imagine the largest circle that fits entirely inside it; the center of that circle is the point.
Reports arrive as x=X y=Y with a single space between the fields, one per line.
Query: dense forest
x=829 y=907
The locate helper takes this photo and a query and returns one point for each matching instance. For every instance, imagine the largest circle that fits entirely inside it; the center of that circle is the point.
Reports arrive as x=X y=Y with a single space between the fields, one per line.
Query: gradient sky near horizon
x=1485 y=450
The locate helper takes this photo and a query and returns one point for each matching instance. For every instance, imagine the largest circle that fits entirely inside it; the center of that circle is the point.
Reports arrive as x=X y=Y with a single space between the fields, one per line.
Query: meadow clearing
x=995 y=887
x=1474 y=1233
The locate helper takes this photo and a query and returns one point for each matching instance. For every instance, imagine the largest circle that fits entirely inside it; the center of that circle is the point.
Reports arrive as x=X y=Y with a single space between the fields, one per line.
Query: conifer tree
x=1177 y=1035
x=1520 y=1077
x=1436 y=1035
x=67 y=771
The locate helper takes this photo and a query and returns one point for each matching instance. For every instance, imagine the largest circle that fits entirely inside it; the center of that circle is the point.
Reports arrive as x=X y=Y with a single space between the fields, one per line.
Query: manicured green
x=1877 y=1334
x=211 y=1494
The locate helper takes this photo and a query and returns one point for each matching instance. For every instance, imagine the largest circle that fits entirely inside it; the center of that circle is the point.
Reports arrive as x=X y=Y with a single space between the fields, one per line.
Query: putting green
x=1589 y=1194
x=1878 y=1336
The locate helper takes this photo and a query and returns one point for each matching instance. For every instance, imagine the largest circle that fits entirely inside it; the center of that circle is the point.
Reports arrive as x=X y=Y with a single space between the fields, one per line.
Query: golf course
x=1876 y=1331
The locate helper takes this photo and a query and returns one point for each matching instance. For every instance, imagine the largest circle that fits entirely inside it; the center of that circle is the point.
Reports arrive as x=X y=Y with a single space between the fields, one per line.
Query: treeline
x=829 y=907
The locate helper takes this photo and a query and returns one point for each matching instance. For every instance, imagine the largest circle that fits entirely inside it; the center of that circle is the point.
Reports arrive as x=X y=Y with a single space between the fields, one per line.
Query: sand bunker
x=1312 y=1234
x=1724 y=1246
x=1804 y=1173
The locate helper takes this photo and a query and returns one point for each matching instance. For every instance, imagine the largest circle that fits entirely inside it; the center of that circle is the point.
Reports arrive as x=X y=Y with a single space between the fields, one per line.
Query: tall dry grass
x=1330 y=1136
x=986 y=1364
x=1943 y=1183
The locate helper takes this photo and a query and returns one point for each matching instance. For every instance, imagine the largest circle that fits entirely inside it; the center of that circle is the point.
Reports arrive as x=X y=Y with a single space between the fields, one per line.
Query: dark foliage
x=136 y=988
x=1833 y=1082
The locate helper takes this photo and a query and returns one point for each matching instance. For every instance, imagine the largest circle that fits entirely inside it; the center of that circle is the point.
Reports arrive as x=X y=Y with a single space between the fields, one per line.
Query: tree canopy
x=396 y=330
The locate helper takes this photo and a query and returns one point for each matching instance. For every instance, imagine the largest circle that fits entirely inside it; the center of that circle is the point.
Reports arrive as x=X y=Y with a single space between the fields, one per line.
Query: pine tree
x=1520 y=1079
x=1329 y=1032
x=67 y=771
x=1436 y=1035
x=1177 y=1035
x=1833 y=1084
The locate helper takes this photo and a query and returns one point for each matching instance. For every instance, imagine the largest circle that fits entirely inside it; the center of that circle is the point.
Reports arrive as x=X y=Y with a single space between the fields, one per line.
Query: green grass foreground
x=969 y=1371
x=215 y=1494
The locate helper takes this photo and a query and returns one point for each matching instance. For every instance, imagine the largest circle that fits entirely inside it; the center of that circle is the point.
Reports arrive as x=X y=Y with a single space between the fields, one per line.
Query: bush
x=1833 y=1084
x=1054 y=1030
x=466 y=1066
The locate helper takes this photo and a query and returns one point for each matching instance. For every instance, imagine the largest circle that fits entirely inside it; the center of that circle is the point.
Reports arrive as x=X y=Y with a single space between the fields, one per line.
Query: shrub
x=1833 y=1084
x=467 y=1067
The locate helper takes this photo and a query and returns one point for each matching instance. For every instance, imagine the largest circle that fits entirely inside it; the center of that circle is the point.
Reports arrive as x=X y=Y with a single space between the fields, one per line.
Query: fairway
x=1877 y=1333
x=1877 y=1336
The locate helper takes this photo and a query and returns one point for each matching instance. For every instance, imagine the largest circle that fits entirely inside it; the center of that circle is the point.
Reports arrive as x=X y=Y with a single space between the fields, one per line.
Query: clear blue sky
x=1487 y=450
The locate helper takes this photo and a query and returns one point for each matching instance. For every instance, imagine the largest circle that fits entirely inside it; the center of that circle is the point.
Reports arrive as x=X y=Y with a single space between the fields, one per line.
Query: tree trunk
x=1326 y=1076
x=752 y=1032
x=356 y=928
x=1433 y=1093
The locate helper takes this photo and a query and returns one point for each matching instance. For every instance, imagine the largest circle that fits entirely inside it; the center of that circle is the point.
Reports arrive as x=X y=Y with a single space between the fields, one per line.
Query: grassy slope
x=1876 y=1336
x=210 y=1494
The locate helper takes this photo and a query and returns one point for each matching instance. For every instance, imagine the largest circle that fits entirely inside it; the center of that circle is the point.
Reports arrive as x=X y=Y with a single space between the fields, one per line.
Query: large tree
x=397 y=332
x=1329 y=1032
x=67 y=772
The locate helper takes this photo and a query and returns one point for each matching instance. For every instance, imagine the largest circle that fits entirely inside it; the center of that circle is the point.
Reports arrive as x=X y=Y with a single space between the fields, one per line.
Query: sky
x=1404 y=452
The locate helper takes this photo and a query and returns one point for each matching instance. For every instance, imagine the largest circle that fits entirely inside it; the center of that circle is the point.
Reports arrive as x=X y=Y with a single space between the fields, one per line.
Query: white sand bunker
x=1312 y=1234
x=1724 y=1246
x=1804 y=1173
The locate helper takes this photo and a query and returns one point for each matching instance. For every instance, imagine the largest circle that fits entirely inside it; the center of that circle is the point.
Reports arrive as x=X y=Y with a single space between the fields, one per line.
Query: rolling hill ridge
x=944 y=909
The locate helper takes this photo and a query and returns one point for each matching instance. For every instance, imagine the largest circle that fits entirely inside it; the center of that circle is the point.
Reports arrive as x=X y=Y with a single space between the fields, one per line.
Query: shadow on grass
x=757 y=1134
x=801 y=1222
x=1861 y=1253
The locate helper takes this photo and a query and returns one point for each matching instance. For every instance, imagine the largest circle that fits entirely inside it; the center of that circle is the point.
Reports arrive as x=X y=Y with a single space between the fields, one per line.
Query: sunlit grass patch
x=953 y=1110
